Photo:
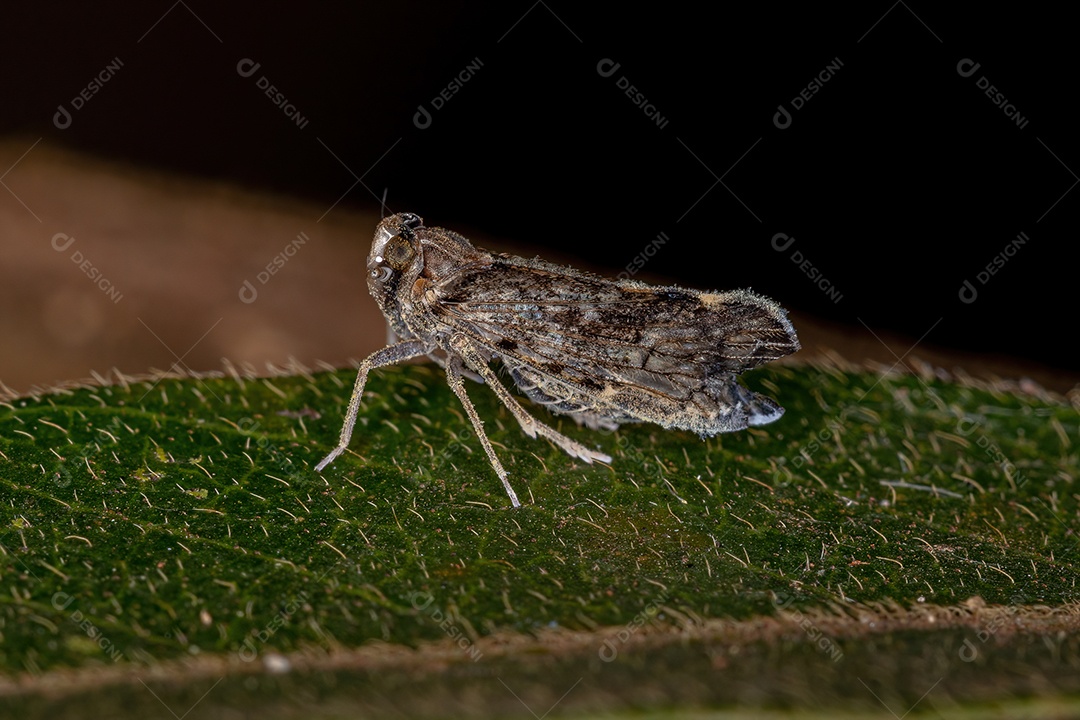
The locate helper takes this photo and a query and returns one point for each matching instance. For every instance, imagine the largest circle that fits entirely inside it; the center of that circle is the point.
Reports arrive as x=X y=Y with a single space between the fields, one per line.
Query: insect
x=603 y=352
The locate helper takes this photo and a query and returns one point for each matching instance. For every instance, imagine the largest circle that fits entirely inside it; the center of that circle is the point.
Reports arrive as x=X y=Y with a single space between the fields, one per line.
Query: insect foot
x=604 y=352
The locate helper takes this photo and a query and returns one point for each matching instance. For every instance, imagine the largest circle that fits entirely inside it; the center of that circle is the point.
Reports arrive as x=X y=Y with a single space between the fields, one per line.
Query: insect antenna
x=382 y=204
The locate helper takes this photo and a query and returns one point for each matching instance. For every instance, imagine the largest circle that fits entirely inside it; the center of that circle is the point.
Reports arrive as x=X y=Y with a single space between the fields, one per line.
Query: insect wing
x=592 y=334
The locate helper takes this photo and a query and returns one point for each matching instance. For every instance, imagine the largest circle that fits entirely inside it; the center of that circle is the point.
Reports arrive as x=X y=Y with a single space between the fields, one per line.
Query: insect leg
x=390 y=355
x=454 y=377
x=529 y=424
x=441 y=362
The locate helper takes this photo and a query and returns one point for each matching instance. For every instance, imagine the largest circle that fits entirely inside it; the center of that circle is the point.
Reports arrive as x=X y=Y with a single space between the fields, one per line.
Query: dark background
x=899 y=180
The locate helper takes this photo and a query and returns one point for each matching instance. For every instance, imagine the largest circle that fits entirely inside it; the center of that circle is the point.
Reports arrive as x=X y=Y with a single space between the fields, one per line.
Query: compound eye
x=399 y=253
x=381 y=273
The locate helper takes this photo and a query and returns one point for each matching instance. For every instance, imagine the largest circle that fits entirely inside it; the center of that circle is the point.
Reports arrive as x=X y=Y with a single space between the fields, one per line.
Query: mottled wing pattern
x=608 y=353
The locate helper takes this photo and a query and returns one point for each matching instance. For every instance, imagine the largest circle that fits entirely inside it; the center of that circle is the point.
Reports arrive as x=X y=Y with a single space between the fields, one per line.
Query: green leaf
x=160 y=519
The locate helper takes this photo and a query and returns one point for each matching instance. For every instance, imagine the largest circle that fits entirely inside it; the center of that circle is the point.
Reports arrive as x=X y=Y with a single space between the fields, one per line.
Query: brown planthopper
x=603 y=352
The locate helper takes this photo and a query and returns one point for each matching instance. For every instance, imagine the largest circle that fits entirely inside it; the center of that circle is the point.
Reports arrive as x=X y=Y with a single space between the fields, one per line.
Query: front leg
x=391 y=355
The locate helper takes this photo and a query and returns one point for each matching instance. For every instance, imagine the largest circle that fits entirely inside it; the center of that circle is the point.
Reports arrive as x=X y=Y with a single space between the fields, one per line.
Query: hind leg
x=532 y=427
